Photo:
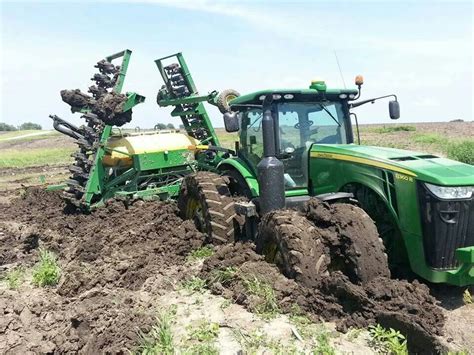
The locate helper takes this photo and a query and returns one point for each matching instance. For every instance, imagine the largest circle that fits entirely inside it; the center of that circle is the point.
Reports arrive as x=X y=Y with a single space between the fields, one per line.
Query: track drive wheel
x=224 y=98
x=205 y=198
x=289 y=240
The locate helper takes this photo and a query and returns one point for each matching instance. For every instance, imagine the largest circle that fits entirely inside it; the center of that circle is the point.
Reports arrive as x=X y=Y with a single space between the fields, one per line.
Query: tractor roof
x=298 y=95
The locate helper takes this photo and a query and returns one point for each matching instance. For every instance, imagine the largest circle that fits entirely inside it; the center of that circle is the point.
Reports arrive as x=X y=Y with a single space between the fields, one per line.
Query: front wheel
x=308 y=247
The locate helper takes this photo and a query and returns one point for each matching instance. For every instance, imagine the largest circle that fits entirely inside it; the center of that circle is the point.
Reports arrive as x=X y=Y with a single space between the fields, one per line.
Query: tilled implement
x=105 y=108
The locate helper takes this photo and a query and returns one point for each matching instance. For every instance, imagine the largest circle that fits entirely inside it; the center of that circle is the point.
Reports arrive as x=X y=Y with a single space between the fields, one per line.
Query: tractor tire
x=291 y=241
x=307 y=251
x=205 y=198
x=224 y=98
x=363 y=251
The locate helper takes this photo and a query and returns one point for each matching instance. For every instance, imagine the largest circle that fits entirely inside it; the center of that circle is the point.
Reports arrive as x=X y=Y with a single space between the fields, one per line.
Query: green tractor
x=295 y=157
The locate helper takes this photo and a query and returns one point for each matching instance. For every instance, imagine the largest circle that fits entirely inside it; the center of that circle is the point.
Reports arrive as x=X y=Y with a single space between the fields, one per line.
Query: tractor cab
x=301 y=118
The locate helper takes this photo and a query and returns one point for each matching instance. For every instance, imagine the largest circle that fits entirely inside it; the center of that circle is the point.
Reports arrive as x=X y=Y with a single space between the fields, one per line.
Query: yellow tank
x=124 y=147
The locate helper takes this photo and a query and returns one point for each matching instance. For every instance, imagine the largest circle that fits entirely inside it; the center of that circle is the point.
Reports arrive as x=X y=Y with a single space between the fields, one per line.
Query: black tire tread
x=218 y=205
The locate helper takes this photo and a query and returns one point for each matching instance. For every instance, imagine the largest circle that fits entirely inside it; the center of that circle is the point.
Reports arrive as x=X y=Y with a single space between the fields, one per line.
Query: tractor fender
x=378 y=190
x=243 y=170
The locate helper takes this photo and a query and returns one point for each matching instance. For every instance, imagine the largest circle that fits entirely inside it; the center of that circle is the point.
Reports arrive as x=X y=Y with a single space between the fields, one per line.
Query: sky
x=419 y=50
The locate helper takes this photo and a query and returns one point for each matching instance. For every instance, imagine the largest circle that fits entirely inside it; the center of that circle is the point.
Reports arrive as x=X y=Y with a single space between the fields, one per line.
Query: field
x=138 y=279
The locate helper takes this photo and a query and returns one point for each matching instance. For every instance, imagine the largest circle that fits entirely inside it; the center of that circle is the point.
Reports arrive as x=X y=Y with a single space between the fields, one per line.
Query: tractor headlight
x=450 y=192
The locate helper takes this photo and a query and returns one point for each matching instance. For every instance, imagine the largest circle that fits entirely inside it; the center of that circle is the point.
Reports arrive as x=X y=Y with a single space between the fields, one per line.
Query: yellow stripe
x=361 y=161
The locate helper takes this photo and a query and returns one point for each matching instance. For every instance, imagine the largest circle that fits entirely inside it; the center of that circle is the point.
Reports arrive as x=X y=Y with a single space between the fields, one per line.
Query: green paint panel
x=162 y=160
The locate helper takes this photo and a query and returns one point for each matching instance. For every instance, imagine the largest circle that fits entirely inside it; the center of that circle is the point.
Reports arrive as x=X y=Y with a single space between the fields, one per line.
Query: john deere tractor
x=295 y=152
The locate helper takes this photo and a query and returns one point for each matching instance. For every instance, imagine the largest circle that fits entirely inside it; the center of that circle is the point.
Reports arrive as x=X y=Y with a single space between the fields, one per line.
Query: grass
x=15 y=277
x=226 y=139
x=204 y=332
x=392 y=129
x=200 y=253
x=194 y=284
x=47 y=271
x=317 y=334
x=323 y=346
x=202 y=339
x=160 y=339
x=224 y=276
x=387 y=341
x=13 y=134
x=267 y=307
x=20 y=158
x=429 y=138
x=462 y=151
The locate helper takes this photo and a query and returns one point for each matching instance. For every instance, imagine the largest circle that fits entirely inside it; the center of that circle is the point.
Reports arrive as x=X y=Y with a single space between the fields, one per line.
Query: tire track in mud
x=116 y=260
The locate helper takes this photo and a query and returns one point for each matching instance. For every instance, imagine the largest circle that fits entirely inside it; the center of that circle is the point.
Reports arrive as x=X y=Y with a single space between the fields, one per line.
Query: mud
x=112 y=261
x=109 y=108
x=117 y=261
x=76 y=99
x=392 y=303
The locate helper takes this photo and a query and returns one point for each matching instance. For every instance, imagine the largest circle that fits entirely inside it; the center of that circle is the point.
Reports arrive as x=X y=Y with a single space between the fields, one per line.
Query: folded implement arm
x=181 y=92
x=105 y=107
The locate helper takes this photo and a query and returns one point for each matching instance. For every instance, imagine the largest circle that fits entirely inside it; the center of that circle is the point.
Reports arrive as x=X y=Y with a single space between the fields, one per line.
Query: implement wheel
x=205 y=198
x=224 y=98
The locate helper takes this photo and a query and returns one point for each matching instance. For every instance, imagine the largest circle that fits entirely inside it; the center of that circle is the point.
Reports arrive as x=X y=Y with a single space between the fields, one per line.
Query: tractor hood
x=422 y=166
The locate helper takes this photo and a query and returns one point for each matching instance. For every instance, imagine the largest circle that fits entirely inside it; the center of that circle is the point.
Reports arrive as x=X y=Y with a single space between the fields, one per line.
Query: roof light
x=359 y=80
x=343 y=96
x=288 y=96
x=276 y=96
x=318 y=84
x=351 y=96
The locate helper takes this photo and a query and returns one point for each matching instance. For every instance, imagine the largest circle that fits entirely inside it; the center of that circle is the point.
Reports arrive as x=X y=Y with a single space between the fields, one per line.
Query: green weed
x=194 y=284
x=268 y=306
x=15 y=277
x=323 y=346
x=391 y=129
x=258 y=342
x=202 y=339
x=160 y=339
x=224 y=276
x=462 y=151
x=389 y=341
x=429 y=138
x=225 y=304
x=47 y=271
x=251 y=342
x=200 y=253
x=204 y=332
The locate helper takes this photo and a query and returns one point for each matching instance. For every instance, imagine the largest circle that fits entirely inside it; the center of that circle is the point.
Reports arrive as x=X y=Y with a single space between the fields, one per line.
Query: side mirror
x=231 y=122
x=394 y=110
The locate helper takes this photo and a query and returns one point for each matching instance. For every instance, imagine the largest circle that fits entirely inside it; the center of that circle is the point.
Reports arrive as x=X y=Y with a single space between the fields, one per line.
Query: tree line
x=22 y=127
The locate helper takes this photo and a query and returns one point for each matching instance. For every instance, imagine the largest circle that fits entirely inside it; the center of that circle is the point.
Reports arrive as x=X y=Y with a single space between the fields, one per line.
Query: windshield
x=313 y=122
x=300 y=124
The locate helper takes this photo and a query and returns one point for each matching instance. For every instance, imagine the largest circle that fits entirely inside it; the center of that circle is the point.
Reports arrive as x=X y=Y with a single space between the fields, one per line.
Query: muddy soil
x=392 y=303
x=119 y=261
x=108 y=259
